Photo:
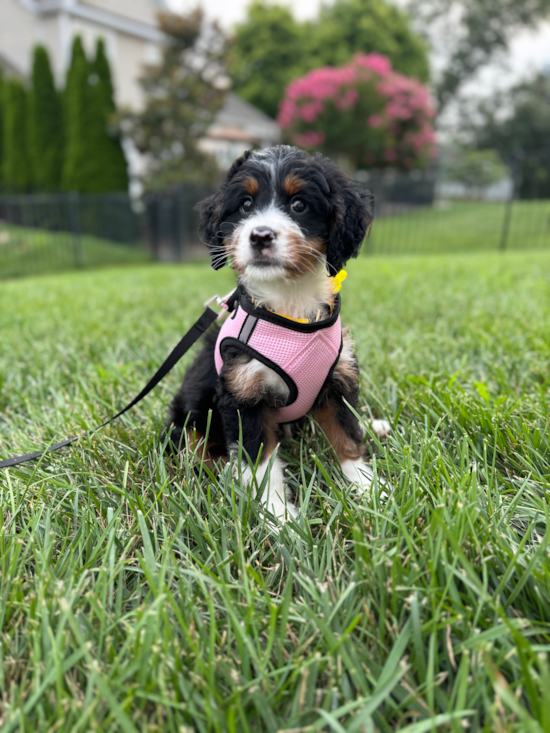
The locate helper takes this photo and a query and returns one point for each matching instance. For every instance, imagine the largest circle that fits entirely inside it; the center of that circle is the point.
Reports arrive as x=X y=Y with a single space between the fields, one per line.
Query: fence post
x=74 y=213
x=516 y=179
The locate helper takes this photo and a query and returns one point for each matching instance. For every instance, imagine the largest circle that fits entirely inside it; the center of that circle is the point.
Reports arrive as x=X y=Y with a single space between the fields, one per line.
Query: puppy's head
x=281 y=213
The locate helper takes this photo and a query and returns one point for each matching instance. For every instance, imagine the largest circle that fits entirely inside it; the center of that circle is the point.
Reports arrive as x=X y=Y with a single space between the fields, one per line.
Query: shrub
x=16 y=165
x=183 y=93
x=92 y=163
x=76 y=163
x=45 y=125
x=363 y=109
x=1 y=123
x=115 y=170
x=271 y=44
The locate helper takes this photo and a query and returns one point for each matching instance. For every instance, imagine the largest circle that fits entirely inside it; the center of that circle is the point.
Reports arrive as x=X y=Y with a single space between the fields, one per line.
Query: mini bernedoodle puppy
x=286 y=222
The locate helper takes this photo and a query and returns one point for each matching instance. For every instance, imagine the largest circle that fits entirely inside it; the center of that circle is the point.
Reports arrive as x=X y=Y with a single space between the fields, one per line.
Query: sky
x=530 y=50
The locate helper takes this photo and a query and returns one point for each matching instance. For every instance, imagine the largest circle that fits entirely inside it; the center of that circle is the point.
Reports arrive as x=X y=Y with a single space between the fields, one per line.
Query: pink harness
x=303 y=354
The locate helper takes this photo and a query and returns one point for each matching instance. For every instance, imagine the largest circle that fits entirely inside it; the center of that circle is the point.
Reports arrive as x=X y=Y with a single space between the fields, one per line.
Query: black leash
x=194 y=333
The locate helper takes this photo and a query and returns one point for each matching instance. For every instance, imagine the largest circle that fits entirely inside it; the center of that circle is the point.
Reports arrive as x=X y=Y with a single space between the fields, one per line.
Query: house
x=132 y=39
x=128 y=28
x=239 y=126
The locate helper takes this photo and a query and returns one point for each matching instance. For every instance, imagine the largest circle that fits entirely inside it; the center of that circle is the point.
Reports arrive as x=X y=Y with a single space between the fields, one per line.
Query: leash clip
x=221 y=303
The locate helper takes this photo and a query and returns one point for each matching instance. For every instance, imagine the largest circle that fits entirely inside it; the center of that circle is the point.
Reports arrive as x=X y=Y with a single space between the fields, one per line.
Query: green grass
x=458 y=226
x=137 y=594
x=25 y=251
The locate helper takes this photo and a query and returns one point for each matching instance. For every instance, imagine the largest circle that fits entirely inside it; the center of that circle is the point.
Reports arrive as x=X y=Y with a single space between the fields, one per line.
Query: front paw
x=362 y=477
x=382 y=428
x=275 y=495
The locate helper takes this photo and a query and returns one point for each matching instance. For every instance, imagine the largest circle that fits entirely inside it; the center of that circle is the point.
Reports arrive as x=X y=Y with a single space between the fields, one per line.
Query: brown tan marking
x=345 y=448
x=251 y=185
x=304 y=255
x=213 y=454
x=250 y=387
x=271 y=427
x=346 y=370
x=292 y=184
x=231 y=246
x=244 y=388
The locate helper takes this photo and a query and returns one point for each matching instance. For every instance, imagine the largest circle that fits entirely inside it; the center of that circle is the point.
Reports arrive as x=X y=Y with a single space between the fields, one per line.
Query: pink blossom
x=310 y=111
x=375 y=62
x=310 y=139
x=387 y=100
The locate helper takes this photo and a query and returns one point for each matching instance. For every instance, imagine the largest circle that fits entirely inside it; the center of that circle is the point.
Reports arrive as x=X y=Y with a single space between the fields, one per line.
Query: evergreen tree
x=115 y=176
x=16 y=161
x=1 y=123
x=45 y=125
x=77 y=109
x=91 y=157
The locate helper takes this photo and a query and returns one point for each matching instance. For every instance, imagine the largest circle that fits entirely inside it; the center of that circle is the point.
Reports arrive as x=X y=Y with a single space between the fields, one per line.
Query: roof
x=240 y=121
x=102 y=17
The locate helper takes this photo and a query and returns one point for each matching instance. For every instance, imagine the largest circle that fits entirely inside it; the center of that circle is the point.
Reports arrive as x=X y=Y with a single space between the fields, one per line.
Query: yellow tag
x=337 y=281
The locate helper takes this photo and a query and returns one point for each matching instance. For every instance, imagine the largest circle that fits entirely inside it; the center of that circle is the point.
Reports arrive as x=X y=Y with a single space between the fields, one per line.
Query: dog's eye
x=298 y=205
x=247 y=205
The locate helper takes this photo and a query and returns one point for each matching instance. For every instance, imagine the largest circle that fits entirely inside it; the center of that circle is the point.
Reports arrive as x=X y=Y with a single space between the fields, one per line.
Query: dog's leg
x=342 y=428
x=248 y=397
x=257 y=426
x=343 y=431
x=194 y=401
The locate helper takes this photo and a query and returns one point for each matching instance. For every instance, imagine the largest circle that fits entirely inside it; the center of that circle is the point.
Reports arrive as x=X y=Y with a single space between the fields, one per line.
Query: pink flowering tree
x=364 y=110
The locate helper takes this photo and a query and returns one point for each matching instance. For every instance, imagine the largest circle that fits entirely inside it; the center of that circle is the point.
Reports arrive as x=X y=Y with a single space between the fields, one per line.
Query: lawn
x=26 y=251
x=460 y=226
x=141 y=594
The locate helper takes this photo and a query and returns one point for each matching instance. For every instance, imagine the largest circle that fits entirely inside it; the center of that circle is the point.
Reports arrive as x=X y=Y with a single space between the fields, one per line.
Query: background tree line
x=466 y=36
x=54 y=140
x=268 y=51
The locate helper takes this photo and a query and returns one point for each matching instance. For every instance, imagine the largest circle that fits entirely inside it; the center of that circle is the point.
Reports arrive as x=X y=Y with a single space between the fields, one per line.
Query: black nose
x=262 y=237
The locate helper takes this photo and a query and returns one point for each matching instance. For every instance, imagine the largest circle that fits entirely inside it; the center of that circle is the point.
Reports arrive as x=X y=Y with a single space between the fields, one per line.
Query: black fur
x=198 y=395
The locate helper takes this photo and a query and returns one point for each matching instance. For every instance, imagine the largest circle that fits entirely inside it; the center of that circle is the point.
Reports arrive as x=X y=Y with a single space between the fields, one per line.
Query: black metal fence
x=41 y=233
x=56 y=232
x=171 y=222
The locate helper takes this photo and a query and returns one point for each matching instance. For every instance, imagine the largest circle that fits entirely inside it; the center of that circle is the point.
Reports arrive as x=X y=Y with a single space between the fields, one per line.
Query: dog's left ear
x=210 y=213
x=353 y=212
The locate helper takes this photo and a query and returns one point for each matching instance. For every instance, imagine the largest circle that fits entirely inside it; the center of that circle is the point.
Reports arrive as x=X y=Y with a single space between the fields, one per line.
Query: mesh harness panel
x=303 y=354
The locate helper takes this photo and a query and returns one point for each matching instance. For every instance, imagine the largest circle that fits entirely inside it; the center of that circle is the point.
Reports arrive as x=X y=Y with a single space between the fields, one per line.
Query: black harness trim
x=245 y=302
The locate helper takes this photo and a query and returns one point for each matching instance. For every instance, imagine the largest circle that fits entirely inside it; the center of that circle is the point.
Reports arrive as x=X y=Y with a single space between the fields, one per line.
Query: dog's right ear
x=210 y=217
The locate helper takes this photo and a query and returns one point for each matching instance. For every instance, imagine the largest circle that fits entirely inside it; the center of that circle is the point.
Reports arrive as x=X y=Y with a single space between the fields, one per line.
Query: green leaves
x=272 y=44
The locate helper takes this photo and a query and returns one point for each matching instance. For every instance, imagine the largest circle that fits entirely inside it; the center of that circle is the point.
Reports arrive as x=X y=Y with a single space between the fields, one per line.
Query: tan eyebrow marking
x=251 y=185
x=292 y=184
